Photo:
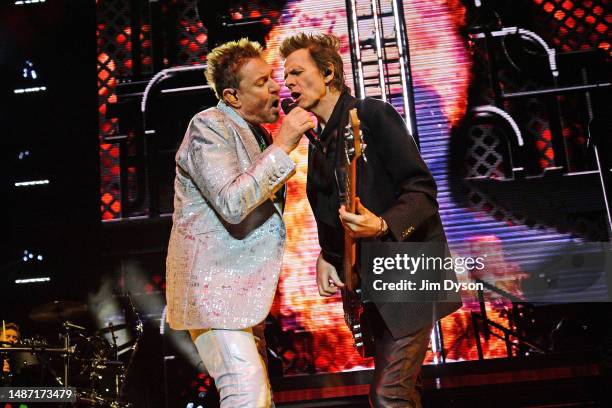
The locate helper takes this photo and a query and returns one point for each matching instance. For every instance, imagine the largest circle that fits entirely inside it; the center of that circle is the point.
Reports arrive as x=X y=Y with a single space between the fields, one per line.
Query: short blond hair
x=224 y=62
x=324 y=49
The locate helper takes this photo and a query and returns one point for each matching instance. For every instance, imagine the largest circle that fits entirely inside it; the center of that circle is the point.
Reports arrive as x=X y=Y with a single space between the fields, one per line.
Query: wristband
x=381 y=231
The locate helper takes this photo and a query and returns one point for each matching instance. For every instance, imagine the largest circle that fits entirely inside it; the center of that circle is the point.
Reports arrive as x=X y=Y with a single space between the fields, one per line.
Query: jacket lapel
x=244 y=132
x=246 y=136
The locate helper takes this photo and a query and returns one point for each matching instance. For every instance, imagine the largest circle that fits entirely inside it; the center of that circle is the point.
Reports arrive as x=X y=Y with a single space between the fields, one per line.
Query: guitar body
x=354 y=308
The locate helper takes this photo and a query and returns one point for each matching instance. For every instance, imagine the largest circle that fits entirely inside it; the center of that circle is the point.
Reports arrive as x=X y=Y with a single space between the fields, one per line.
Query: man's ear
x=231 y=98
x=329 y=73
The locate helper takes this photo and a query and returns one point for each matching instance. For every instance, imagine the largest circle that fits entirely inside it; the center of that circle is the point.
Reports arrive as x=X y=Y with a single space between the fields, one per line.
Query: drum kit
x=88 y=361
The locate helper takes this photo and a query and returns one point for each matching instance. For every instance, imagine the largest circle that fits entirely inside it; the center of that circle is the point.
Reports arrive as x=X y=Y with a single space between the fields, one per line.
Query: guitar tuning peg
x=363 y=152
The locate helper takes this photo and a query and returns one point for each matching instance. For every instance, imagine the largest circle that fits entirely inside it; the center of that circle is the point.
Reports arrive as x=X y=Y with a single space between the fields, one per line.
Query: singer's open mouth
x=275 y=103
x=296 y=95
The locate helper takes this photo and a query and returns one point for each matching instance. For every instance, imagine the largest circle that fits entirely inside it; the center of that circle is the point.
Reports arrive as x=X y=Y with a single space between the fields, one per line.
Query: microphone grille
x=287 y=105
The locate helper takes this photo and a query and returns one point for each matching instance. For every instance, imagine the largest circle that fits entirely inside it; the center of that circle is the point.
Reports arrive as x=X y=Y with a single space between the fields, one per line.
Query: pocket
x=208 y=249
x=205 y=233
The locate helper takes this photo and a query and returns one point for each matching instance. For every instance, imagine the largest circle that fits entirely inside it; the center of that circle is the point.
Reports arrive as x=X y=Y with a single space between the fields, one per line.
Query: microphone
x=287 y=105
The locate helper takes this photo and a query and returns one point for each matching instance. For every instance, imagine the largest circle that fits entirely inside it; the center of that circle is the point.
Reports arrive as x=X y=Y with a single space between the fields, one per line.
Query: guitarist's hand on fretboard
x=328 y=280
x=363 y=224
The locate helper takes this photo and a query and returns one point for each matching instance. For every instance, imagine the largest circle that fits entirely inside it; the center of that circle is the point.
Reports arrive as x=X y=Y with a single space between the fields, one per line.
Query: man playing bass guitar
x=397 y=202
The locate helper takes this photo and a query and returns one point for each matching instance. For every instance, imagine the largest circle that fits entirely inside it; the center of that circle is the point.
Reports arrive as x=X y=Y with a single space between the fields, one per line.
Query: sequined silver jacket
x=228 y=237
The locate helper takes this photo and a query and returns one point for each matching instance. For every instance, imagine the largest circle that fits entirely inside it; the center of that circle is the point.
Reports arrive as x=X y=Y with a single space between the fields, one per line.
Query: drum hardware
x=127 y=345
x=94 y=400
x=94 y=358
x=36 y=349
x=89 y=361
x=29 y=360
x=112 y=328
x=69 y=325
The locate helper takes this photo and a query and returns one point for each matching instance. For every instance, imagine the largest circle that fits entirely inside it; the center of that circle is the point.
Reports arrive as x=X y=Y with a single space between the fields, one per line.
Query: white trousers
x=232 y=360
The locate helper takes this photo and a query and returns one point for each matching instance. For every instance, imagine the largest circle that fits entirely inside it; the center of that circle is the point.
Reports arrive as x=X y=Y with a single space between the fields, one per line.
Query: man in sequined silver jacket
x=228 y=235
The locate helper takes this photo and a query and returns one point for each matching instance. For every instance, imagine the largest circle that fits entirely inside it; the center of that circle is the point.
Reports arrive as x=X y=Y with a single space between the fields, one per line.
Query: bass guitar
x=351 y=293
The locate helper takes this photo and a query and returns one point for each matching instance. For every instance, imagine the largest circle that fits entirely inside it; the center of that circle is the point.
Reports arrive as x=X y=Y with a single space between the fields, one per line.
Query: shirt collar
x=336 y=116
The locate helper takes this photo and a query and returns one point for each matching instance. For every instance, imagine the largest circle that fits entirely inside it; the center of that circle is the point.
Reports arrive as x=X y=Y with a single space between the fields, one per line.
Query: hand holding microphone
x=288 y=105
x=296 y=122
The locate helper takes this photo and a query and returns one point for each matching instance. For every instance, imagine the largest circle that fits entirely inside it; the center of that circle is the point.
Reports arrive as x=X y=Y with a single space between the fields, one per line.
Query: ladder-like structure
x=379 y=55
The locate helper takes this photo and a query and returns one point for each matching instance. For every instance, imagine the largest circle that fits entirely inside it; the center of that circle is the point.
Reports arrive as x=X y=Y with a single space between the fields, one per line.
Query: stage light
x=29 y=71
x=26 y=2
x=27 y=255
x=33 y=280
x=434 y=346
x=30 y=90
x=31 y=183
x=162 y=321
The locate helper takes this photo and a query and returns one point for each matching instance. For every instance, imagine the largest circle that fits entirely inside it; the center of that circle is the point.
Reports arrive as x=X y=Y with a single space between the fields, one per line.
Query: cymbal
x=58 y=311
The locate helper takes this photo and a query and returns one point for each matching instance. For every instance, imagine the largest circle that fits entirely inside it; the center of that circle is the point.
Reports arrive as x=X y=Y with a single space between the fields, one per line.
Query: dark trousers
x=397 y=363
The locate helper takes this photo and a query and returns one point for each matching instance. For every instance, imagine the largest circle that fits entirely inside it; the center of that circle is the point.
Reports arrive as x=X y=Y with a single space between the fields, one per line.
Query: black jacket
x=395 y=184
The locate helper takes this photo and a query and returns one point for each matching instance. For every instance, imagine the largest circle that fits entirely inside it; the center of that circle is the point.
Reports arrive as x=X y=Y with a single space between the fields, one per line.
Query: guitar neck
x=350 y=252
x=349 y=261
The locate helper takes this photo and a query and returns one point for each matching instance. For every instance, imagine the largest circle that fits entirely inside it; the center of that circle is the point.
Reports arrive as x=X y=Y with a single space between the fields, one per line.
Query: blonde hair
x=225 y=61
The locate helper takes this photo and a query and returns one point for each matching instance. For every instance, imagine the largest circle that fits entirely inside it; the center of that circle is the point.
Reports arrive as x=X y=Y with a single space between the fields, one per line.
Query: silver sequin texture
x=227 y=239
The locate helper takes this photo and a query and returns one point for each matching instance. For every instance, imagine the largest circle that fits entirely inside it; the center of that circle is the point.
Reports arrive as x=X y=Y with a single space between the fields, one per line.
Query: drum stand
x=67 y=326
